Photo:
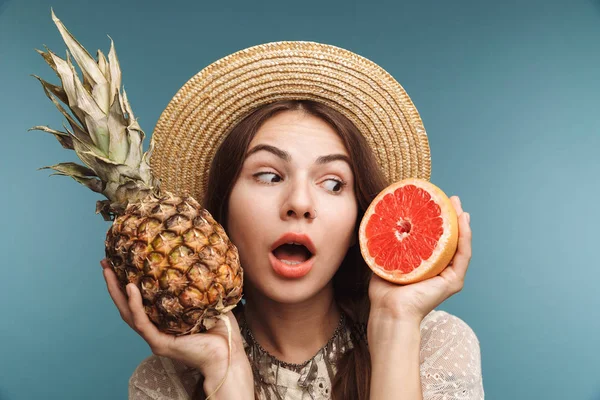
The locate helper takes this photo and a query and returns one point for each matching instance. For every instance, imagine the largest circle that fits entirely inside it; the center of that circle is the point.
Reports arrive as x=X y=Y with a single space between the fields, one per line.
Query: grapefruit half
x=409 y=232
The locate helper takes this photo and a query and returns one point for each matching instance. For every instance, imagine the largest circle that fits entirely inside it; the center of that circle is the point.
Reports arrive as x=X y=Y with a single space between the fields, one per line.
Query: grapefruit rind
x=443 y=252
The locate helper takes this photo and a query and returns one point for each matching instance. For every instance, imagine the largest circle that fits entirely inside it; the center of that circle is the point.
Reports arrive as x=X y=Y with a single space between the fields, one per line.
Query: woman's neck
x=293 y=333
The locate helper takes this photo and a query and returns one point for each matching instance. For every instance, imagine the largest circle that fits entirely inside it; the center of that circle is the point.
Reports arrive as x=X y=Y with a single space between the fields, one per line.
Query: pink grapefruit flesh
x=409 y=232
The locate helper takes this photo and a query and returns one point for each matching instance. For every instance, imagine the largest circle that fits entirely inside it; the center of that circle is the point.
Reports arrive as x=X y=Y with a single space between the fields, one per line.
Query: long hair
x=350 y=282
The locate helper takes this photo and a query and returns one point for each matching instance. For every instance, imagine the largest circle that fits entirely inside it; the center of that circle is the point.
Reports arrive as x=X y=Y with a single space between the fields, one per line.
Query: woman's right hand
x=207 y=351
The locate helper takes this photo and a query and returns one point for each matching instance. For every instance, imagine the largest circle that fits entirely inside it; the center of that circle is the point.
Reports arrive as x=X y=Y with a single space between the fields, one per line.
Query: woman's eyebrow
x=285 y=156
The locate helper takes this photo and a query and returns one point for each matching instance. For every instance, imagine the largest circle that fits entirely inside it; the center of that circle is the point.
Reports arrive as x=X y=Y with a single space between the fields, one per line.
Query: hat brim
x=202 y=113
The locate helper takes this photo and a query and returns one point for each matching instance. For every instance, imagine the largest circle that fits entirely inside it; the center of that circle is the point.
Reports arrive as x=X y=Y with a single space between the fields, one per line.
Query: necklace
x=293 y=366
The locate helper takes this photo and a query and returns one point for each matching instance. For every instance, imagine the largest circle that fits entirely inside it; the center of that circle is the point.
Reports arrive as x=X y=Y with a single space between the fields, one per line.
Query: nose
x=299 y=202
x=307 y=214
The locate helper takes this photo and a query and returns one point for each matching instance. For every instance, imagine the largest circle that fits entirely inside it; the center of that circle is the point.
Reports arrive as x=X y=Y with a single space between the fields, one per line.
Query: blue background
x=509 y=92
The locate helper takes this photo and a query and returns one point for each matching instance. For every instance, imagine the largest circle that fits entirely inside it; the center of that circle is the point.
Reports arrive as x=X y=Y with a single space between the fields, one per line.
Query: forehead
x=289 y=129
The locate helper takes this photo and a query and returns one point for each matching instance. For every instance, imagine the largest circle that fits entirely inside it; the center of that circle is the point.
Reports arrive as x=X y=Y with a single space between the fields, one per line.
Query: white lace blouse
x=450 y=368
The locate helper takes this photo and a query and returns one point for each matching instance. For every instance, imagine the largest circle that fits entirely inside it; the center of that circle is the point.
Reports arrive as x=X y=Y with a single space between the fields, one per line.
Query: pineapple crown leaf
x=103 y=159
x=117 y=128
x=103 y=64
x=79 y=132
x=104 y=133
x=114 y=70
x=93 y=101
x=81 y=174
x=81 y=143
x=93 y=184
x=71 y=169
x=133 y=124
x=64 y=139
x=82 y=103
x=90 y=69
x=48 y=58
x=65 y=73
x=55 y=90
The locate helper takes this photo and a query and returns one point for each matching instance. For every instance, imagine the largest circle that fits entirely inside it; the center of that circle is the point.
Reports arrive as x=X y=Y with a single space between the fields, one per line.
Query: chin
x=293 y=294
x=286 y=291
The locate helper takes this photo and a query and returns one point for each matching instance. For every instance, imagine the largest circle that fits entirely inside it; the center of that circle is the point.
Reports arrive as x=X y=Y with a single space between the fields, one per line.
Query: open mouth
x=292 y=254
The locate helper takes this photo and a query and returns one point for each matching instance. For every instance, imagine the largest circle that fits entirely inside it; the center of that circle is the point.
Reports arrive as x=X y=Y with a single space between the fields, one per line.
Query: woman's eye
x=258 y=175
x=335 y=185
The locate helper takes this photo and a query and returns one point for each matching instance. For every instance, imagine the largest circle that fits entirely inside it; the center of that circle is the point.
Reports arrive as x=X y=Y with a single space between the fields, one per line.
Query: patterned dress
x=450 y=366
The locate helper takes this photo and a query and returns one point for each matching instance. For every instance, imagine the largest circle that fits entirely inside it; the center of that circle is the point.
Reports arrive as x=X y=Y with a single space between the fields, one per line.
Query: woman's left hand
x=414 y=301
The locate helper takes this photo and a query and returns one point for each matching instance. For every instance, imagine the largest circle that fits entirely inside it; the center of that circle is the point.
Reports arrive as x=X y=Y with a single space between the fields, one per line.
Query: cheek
x=236 y=217
x=247 y=207
x=343 y=216
x=341 y=223
x=246 y=217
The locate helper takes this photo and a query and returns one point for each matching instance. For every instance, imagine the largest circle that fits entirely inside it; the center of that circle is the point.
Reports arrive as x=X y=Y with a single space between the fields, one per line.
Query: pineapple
x=181 y=259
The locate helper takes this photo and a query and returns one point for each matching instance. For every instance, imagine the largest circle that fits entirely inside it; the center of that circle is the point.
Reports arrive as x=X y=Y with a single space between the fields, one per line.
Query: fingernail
x=468 y=218
x=128 y=289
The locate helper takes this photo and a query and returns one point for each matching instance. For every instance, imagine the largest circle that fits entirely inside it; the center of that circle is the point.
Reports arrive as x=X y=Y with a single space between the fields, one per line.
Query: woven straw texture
x=201 y=114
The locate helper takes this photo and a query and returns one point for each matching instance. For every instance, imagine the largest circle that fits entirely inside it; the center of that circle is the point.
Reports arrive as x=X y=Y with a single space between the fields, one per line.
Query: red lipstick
x=293 y=271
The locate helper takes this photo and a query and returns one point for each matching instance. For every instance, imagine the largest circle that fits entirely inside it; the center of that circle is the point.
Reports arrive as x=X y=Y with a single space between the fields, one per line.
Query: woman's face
x=278 y=191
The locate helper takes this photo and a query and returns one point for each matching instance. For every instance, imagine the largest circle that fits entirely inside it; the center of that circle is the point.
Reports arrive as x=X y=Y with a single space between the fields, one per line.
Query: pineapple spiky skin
x=181 y=259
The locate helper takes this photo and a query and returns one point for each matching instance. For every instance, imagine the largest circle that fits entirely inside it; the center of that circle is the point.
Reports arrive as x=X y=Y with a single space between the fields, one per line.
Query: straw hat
x=201 y=114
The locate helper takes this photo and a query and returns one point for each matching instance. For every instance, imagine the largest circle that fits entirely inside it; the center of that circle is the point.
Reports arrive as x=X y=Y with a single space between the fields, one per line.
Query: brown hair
x=352 y=381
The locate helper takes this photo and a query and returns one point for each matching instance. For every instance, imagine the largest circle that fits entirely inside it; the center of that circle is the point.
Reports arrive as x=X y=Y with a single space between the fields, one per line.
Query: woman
x=332 y=330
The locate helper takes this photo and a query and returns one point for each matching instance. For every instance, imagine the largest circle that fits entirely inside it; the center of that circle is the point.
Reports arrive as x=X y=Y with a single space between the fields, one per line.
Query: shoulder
x=450 y=358
x=157 y=376
x=440 y=323
x=442 y=330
